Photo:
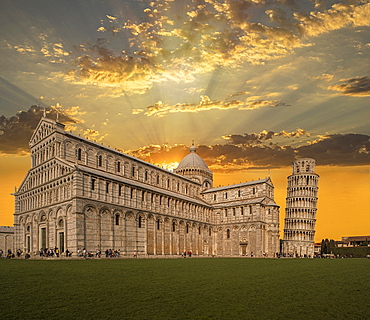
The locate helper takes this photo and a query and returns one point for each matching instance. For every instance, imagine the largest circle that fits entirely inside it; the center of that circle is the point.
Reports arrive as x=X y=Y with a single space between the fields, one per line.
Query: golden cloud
x=340 y=149
x=161 y=109
x=93 y=134
x=356 y=87
x=208 y=35
x=325 y=76
x=259 y=138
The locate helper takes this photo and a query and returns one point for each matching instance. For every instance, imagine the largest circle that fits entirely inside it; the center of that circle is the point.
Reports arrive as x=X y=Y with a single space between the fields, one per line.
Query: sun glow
x=171 y=166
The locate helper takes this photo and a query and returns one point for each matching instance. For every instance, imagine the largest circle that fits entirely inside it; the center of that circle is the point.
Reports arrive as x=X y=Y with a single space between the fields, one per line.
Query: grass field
x=185 y=289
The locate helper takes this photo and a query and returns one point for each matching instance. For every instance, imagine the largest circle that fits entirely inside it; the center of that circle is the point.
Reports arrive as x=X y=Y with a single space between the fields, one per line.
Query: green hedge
x=355 y=252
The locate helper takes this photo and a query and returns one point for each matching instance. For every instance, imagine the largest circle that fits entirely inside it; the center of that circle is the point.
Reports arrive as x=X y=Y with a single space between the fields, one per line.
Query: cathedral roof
x=260 y=200
x=192 y=160
x=233 y=186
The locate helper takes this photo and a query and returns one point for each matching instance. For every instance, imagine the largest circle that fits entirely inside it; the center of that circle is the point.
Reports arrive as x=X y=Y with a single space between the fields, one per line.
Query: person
x=67 y=253
x=135 y=254
x=184 y=254
x=1 y=253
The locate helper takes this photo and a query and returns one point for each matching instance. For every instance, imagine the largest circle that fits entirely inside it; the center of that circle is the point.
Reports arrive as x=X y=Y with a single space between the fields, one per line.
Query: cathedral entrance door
x=244 y=249
x=43 y=238
x=61 y=242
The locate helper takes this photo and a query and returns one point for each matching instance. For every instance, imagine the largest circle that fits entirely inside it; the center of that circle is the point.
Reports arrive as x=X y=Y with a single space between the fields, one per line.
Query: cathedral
x=79 y=194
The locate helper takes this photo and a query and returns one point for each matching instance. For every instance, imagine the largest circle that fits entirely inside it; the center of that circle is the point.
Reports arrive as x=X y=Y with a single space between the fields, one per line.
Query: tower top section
x=304 y=165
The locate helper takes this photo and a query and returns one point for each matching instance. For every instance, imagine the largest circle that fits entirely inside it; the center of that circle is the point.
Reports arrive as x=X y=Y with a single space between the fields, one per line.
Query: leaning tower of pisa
x=300 y=212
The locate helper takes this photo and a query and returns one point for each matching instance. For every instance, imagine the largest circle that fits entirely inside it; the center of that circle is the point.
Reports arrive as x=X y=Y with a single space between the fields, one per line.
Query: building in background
x=300 y=212
x=80 y=194
x=354 y=241
x=6 y=239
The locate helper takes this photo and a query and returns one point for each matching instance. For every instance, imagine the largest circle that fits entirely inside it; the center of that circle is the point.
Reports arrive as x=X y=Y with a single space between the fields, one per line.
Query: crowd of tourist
x=111 y=253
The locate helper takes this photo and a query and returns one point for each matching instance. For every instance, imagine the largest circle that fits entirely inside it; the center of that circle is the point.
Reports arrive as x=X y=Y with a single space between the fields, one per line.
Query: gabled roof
x=44 y=128
x=58 y=160
x=244 y=202
x=239 y=185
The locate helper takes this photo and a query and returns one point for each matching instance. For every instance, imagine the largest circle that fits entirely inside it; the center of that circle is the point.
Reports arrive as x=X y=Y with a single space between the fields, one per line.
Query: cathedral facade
x=80 y=194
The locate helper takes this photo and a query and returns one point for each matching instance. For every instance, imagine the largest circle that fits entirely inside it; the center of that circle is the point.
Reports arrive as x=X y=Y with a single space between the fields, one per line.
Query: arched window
x=117 y=219
x=158 y=224
x=100 y=160
x=228 y=233
x=139 y=222
x=118 y=166
x=79 y=154
x=173 y=226
x=133 y=171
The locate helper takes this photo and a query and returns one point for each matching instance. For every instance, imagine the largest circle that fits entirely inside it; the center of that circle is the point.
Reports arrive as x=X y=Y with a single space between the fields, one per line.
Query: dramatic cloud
x=178 y=45
x=340 y=149
x=357 y=87
x=16 y=131
x=160 y=109
x=257 y=138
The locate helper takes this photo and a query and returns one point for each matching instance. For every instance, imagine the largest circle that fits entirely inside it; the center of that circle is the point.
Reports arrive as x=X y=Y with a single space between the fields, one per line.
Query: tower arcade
x=300 y=212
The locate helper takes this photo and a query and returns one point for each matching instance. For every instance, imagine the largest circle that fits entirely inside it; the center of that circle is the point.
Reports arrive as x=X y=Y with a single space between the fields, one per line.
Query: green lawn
x=185 y=289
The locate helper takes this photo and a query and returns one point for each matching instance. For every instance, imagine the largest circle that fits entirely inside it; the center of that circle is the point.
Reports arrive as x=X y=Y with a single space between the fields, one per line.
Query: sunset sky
x=255 y=84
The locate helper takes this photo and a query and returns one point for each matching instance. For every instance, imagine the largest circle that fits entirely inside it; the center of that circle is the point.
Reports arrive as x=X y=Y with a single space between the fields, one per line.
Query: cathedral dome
x=192 y=160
